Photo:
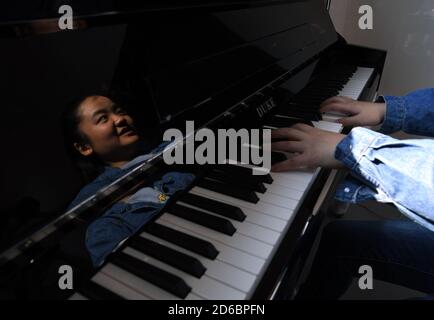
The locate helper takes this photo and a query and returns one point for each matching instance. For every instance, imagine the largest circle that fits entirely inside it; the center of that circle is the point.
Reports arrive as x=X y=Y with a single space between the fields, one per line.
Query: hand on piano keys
x=313 y=147
x=354 y=113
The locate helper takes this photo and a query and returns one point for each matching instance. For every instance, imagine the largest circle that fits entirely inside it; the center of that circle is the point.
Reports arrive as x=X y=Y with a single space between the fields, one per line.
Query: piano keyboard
x=353 y=89
x=233 y=249
x=346 y=81
x=217 y=240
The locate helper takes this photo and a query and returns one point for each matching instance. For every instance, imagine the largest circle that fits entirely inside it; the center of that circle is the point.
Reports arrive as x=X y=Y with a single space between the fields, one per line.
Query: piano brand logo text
x=220 y=146
x=265 y=107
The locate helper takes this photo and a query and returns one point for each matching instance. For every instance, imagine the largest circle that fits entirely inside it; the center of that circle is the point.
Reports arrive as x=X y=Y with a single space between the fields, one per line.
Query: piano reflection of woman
x=102 y=139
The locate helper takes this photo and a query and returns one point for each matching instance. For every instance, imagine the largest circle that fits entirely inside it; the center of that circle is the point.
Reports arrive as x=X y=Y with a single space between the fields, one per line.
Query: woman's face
x=109 y=129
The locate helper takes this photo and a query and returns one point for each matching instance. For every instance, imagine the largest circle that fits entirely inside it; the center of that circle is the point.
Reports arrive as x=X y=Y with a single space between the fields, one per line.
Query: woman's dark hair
x=90 y=166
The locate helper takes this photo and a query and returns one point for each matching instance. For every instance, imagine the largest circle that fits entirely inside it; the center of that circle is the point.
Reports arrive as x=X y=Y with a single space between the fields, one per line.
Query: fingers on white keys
x=287 y=146
x=294 y=163
x=338 y=104
x=292 y=133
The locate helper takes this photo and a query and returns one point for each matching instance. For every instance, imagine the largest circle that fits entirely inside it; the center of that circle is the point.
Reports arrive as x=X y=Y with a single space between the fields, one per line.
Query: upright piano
x=232 y=235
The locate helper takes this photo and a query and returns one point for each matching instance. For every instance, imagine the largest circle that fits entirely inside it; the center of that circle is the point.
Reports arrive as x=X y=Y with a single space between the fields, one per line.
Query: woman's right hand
x=358 y=113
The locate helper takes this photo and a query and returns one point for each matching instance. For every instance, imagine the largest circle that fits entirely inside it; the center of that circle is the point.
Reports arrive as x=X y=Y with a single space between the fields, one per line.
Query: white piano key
x=269 y=127
x=229 y=255
x=277 y=200
x=192 y=296
x=140 y=285
x=260 y=206
x=256 y=232
x=237 y=241
x=354 y=87
x=288 y=181
x=304 y=175
x=234 y=281
x=332 y=116
x=77 y=296
x=285 y=179
x=290 y=193
x=264 y=220
x=329 y=126
x=117 y=287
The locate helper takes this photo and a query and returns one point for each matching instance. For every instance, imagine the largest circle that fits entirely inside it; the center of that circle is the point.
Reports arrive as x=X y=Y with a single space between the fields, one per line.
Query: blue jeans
x=399 y=252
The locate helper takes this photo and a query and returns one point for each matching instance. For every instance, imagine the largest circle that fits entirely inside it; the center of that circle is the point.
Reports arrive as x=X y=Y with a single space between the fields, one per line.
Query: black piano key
x=325 y=88
x=326 y=85
x=186 y=241
x=323 y=94
x=318 y=93
x=222 y=188
x=227 y=178
x=321 y=81
x=309 y=107
x=283 y=122
x=214 y=206
x=235 y=169
x=308 y=102
x=300 y=111
x=240 y=172
x=167 y=255
x=304 y=105
x=306 y=114
x=277 y=157
x=246 y=178
x=307 y=99
x=277 y=122
x=152 y=274
x=94 y=291
x=202 y=218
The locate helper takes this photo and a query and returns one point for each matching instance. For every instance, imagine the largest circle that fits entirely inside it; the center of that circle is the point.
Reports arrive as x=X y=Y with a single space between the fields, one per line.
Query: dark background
x=39 y=76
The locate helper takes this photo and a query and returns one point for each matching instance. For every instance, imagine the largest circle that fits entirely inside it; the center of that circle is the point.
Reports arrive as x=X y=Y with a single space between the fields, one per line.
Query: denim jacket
x=390 y=170
x=124 y=218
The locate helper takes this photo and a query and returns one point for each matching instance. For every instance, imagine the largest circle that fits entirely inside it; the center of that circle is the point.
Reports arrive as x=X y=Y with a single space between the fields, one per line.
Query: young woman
x=103 y=140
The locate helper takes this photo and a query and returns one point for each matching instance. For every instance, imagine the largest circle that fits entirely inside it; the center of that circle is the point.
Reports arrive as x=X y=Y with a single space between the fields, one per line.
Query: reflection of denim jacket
x=390 y=170
x=124 y=218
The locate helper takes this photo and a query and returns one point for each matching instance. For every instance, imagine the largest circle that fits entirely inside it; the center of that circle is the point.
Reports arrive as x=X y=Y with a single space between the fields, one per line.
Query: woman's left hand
x=312 y=147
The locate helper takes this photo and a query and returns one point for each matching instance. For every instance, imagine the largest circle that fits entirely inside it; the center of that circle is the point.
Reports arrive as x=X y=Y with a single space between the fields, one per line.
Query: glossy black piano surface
x=167 y=63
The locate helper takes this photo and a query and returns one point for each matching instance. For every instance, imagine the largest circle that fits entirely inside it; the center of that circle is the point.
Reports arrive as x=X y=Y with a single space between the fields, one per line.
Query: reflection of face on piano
x=109 y=131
